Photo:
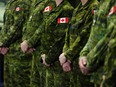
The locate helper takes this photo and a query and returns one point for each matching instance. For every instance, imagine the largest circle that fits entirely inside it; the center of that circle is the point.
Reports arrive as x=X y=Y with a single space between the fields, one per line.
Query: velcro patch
x=48 y=8
x=112 y=10
x=17 y=9
x=63 y=20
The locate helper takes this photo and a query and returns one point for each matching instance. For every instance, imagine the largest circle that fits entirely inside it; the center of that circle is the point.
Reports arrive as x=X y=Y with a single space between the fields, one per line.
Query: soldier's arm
x=66 y=45
x=33 y=41
x=98 y=54
x=97 y=32
x=15 y=31
x=82 y=33
x=12 y=34
x=37 y=35
x=65 y=13
x=34 y=21
x=35 y=38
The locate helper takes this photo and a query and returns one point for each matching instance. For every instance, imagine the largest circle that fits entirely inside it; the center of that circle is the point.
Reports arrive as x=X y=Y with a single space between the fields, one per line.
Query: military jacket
x=79 y=30
x=105 y=46
x=99 y=28
x=101 y=59
x=52 y=31
x=8 y=17
x=35 y=19
x=20 y=13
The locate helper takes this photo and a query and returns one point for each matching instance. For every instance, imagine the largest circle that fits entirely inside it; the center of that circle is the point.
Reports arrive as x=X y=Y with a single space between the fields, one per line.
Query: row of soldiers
x=50 y=43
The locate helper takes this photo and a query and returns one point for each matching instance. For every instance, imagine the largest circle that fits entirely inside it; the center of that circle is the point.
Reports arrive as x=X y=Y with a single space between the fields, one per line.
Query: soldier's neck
x=84 y=2
x=58 y=2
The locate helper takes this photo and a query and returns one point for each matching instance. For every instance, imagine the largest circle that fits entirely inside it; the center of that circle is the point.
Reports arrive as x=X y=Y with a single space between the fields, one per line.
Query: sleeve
x=97 y=32
x=83 y=30
x=33 y=41
x=34 y=21
x=97 y=56
x=15 y=30
x=67 y=12
x=12 y=34
x=66 y=45
x=35 y=38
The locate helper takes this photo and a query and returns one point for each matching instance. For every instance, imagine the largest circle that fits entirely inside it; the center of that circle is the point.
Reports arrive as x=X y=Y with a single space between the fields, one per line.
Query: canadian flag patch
x=112 y=10
x=63 y=20
x=48 y=8
x=18 y=9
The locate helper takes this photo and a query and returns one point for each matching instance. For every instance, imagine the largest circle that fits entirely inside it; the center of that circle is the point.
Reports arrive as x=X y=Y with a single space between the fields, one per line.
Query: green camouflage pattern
x=102 y=56
x=98 y=28
x=35 y=20
x=38 y=34
x=8 y=20
x=8 y=23
x=16 y=15
x=79 y=30
x=109 y=48
x=51 y=37
x=99 y=57
x=76 y=38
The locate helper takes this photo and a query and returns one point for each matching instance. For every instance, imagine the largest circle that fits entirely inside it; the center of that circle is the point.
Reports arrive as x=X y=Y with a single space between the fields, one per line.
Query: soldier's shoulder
x=68 y=6
x=50 y=2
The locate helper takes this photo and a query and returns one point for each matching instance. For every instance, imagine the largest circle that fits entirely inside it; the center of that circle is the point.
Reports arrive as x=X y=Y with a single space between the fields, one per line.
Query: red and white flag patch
x=93 y=12
x=112 y=10
x=18 y=9
x=63 y=20
x=48 y=8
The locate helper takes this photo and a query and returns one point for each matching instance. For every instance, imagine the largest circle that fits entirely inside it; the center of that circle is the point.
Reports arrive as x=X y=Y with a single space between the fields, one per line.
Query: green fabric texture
x=50 y=35
x=16 y=70
x=50 y=45
x=35 y=20
x=76 y=37
x=79 y=30
x=101 y=54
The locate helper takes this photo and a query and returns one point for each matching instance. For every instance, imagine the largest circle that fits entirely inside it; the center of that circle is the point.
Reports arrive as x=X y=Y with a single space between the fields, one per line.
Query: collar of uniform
x=87 y=5
x=59 y=6
x=36 y=2
x=11 y=1
x=83 y=7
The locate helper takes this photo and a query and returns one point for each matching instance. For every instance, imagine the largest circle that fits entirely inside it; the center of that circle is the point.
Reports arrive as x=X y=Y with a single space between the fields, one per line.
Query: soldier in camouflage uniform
x=51 y=36
x=35 y=20
x=100 y=57
x=104 y=52
x=7 y=24
x=18 y=71
x=76 y=37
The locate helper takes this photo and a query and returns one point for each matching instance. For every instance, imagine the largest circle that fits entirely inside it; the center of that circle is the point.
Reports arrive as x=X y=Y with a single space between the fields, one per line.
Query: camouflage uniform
x=35 y=20
x=8 y=18
x=7 y=24
x=51 y=36
x=98 y=29
x=15 y=73
x=76 y=37
x=97 y=49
